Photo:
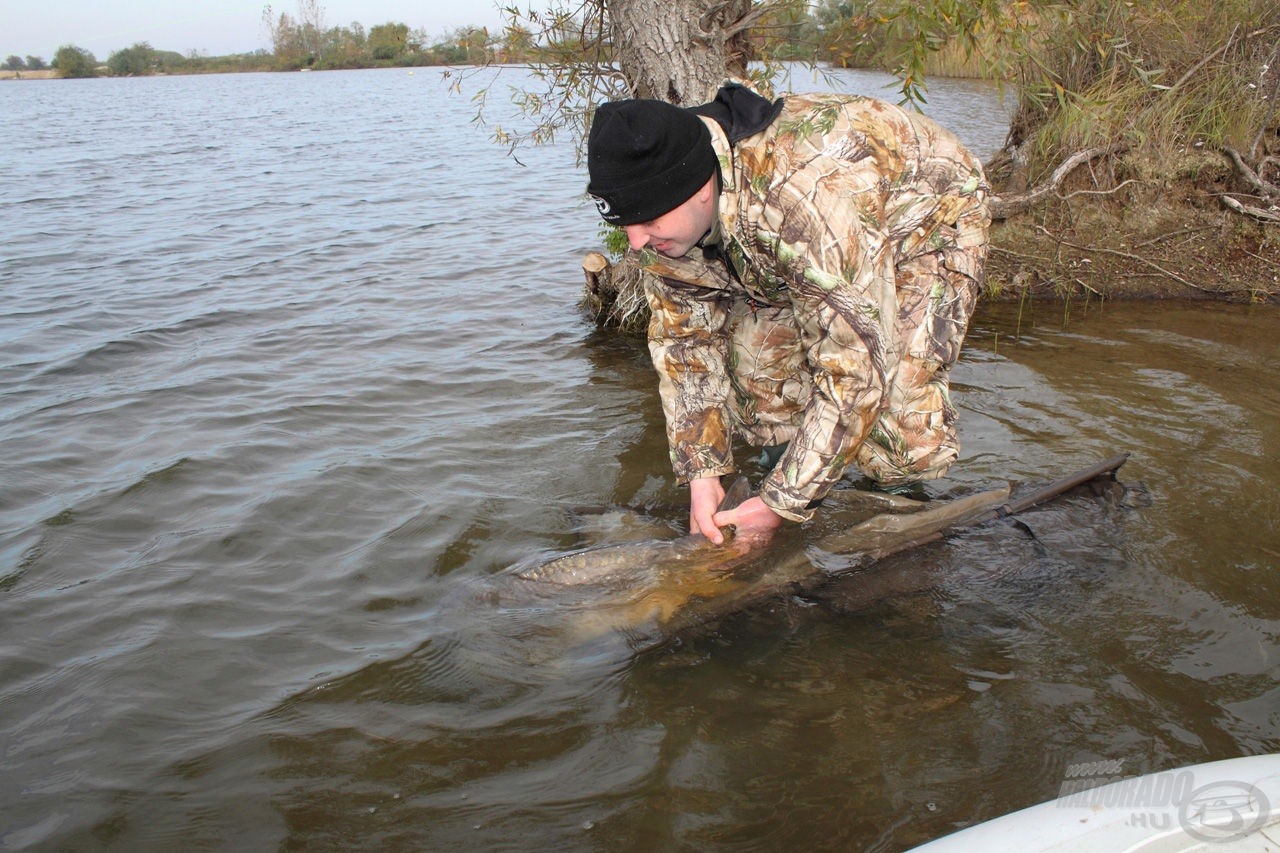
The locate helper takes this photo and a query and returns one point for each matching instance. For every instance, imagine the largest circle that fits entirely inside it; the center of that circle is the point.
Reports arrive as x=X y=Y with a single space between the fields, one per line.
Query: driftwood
x=647 y=595
x=1271 y=216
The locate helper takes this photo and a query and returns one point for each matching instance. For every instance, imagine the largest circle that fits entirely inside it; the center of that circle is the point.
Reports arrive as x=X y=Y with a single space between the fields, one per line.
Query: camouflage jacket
x=816 y=211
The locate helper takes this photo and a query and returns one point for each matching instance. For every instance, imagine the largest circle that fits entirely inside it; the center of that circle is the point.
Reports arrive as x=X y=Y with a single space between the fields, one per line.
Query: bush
x=133 y=61
x=72 y=61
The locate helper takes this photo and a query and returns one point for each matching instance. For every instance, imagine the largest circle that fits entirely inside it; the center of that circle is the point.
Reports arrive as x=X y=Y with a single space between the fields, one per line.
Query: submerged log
x=862 y=546
x=625 y=598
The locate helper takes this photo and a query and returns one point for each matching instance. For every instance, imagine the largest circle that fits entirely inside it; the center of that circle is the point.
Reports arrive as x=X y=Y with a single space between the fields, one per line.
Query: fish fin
x=738 y=492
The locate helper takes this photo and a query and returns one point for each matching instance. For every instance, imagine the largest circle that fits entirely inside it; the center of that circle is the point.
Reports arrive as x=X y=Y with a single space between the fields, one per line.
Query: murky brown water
x=290 y=375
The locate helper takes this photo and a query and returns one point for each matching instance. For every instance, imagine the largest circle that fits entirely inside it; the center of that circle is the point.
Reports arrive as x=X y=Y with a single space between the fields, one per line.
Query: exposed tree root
x=1002 y=207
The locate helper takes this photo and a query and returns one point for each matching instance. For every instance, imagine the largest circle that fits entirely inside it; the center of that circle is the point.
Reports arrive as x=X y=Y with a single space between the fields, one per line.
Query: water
x=290 y=364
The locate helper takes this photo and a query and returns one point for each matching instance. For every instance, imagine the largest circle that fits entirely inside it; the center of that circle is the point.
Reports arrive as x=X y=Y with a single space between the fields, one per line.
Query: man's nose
x=637 y=236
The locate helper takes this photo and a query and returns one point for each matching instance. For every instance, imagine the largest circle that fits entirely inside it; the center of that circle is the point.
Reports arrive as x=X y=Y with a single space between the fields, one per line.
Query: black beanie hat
x=646 y=158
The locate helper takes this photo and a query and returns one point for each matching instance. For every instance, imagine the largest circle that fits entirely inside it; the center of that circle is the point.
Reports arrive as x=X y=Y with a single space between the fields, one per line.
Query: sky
x=219 y=27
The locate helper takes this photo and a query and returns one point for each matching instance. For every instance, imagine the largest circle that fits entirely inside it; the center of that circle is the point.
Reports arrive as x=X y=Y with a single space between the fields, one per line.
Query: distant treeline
x=295 y=47
x=834 y=31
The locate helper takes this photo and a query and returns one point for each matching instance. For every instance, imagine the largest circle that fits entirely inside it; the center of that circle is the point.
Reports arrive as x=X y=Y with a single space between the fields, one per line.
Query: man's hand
x=705 y=495
x=752 y=519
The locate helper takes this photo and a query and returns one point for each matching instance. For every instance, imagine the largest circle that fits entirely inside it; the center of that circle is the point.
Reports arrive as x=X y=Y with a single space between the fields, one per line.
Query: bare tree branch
x=748 y=20
x=1268 y=190
x=1002 y=207
x=1131 y=257
x=1202 y=63
x=1249 y=210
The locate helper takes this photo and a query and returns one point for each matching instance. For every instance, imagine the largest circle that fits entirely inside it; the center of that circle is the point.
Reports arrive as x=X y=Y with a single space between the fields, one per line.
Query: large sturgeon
x=629 y=563
x=650 y=592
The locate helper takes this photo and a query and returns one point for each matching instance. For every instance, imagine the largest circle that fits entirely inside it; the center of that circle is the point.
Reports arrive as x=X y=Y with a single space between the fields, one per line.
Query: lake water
x=289 y=362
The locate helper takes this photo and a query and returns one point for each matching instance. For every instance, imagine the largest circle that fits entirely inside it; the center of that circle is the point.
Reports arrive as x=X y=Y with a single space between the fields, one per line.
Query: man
x=811 y=265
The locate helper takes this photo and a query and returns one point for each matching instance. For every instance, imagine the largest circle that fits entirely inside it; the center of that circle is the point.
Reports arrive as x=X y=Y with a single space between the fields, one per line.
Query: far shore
x=42 y=74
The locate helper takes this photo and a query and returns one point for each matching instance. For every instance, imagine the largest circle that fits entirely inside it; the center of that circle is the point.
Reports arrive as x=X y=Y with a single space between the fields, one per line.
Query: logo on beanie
x=606 y=212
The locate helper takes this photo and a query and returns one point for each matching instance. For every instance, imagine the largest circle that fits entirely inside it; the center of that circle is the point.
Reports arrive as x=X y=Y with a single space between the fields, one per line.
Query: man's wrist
x=776 y=500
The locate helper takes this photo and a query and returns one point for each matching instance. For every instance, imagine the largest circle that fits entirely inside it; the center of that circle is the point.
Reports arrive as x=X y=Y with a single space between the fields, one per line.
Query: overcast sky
x=40 y=27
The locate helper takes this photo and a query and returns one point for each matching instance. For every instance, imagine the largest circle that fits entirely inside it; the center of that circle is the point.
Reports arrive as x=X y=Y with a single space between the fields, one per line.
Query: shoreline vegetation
x=1143 y=160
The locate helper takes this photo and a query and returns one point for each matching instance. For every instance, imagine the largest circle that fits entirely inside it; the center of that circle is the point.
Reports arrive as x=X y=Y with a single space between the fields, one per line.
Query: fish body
x=650 y=592
x=627 y=563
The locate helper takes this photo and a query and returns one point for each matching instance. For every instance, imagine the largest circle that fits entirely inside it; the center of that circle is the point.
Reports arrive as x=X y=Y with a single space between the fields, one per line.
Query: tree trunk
x=679 y=50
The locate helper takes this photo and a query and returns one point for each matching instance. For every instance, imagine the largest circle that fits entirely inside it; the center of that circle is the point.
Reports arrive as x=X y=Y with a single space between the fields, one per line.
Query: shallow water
x=291 y=367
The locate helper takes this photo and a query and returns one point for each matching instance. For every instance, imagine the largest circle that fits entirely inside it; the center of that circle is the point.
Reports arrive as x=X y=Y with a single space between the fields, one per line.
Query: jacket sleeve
x=689 y=350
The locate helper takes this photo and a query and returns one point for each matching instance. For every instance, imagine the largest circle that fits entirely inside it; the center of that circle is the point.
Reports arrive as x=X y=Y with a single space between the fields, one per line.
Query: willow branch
x=747 y=20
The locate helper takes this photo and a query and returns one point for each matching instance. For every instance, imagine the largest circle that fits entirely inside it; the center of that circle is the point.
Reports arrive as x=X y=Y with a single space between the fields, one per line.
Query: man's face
x=675 y=232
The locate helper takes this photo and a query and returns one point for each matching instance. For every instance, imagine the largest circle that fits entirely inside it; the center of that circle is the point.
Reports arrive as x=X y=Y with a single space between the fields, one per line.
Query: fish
x=652 y=592
x=632 y=562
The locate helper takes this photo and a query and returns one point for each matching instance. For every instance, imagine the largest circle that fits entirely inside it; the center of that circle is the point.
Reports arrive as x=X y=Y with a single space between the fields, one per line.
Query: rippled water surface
x=291 y=367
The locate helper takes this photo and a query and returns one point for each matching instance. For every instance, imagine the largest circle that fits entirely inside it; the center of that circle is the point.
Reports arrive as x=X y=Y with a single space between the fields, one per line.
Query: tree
x=517 y=45
x=346 y=47
x=598 y=50
x=311 y=15
x=474 y=44
x=133 y=61
x=35 y=63
x=679 y=50
x=286 y=39
x=388 y=41
x=418 y=39
x=297 y=41
x=72 y=61
x=788 y=32
x=13 y=63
